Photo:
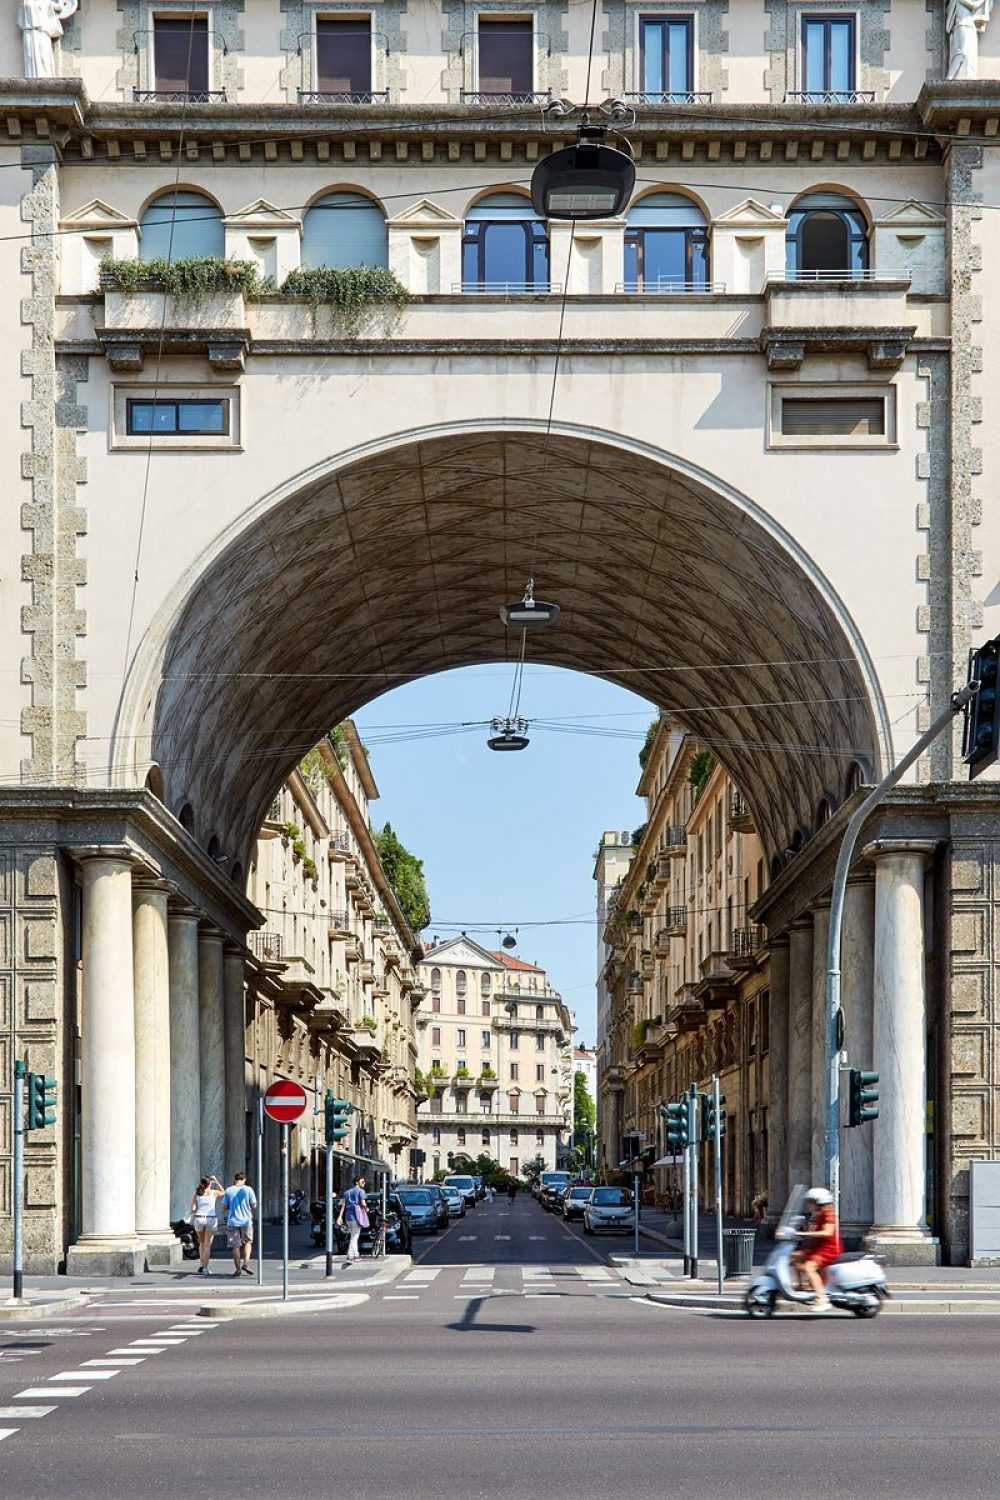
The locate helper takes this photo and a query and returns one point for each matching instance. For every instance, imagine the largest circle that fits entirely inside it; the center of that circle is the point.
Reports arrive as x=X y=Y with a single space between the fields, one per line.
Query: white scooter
x=854 y=1281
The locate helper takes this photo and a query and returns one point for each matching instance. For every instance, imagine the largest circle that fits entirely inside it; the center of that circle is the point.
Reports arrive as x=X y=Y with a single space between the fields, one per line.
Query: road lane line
x=45 y=1392
x=118 y=1363
x=402 y=1297
x=7 y=1432
x=131 y=1350
x=72 y=1375
x=7 y=1412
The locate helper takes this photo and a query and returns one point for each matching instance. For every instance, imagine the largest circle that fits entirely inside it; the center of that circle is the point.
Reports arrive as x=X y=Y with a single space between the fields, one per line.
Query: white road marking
x=536 y=1236
x=422 y=1275
x=135 y=1350
x=7 y=1432
x=46 y=1392
x=179 y=1328
x=25 y=1411
x=118 y=1363
x=91 y=1375
x=402 y=1297
x=467 y=1237
x=501 y=1236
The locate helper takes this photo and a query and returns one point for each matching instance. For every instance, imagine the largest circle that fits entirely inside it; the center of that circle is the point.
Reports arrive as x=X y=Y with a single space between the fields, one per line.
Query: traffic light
x=676 y=1117
x=41 y=1110
x=981 y=731
x=862 y=1097
x=335 y=1113
x=710 y=1122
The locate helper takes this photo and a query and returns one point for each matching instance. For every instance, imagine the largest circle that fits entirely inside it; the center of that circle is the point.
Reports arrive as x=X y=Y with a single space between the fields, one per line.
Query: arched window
x=435 y=979
x=823 y=813
x=485 y=984
x=827 y=236
x=506 y=246
x=539 y=1012
x=855 y=778
x=666 y=244
x=181 y=226
x=461 y=982
x=343 y=230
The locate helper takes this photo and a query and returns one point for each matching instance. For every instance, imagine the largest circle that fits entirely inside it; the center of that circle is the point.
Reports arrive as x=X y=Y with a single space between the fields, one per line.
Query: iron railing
x=506 y=288
x=676 y=836
x=745 y=942
x=830 y=96
x=848 y=273
x=343 y=96
x=673 y=96
x=266 y=946
x=675 y=916
x=513 y=99
x=666 y=286
x=178 y=96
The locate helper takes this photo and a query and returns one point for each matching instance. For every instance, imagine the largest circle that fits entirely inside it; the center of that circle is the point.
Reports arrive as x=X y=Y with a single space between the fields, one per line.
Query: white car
x=609 y=1208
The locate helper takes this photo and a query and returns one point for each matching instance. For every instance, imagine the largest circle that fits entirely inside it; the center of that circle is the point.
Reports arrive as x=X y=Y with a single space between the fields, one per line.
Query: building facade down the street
x=298 y=389
x=496 y=1055
x=611 y=863
x=687 y=971
x=331 y=987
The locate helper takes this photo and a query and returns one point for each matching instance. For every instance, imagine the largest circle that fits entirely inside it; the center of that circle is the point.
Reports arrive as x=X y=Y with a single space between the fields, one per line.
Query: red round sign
x=285 y=1101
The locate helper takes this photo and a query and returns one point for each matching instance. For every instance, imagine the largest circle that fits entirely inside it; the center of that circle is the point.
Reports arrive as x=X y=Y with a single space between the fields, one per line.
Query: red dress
x=828 y=1249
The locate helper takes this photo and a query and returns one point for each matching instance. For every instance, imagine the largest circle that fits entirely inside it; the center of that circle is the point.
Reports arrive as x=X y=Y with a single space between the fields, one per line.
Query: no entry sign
x=285 y=1101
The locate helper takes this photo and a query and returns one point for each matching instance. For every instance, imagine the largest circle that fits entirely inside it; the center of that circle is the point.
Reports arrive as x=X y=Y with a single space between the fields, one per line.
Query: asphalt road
x=509 y=1362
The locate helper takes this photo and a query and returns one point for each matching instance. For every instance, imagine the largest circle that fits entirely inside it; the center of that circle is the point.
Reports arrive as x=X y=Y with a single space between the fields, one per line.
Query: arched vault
x=393 y=565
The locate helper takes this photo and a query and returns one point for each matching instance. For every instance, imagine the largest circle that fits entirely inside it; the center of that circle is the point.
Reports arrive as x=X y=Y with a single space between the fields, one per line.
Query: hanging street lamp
x=529 y=612
x=589 y=180
x=508 y=734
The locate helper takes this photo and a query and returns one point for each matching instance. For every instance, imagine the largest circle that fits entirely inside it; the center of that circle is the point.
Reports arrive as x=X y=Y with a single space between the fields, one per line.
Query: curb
x=926 y=1307
x=52 y=1307
x=335 y=1302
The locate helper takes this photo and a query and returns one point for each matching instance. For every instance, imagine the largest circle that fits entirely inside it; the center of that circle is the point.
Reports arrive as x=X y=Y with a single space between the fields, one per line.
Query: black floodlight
x=587 y=181
x=529 y=611
x=510 y=941
x=508 y=734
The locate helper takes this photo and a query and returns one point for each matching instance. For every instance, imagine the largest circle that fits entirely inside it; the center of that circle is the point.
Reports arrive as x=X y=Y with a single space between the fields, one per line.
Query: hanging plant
x=350 y=292
x=192 y=281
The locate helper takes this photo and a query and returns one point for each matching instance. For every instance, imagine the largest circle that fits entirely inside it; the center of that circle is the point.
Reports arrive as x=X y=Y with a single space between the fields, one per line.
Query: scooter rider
x=821 y=1245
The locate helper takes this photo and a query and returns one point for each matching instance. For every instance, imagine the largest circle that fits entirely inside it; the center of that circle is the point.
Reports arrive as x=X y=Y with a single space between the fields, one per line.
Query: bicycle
x=378 y=1243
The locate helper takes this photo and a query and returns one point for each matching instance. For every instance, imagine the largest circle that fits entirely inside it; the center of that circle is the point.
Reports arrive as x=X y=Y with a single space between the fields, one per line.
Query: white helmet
x=819 y=1195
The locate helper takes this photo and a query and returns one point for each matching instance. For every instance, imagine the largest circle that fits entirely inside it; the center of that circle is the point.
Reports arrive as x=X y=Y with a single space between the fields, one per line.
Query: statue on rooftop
x=41 y=25
x=966 y=20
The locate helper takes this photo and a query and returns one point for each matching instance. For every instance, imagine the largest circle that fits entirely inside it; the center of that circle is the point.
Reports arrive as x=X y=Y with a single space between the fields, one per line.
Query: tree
x=532 y=1170
x=584 y=1113
x=405 y=873
x=483 y=1166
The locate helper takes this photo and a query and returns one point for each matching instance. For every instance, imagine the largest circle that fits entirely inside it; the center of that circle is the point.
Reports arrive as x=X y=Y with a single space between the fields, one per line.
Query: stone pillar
x=856 y=986
x=817 y=1041
x=777 y=1070
x=236 y=1062
x=212 y=1052
x=151 y=983
x=900 y=1230
x=800 y=984
x=185 y=1075
x=108 y=1245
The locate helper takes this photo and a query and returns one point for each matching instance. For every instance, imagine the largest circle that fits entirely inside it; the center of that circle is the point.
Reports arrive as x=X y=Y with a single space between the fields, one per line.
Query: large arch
x=391 y=561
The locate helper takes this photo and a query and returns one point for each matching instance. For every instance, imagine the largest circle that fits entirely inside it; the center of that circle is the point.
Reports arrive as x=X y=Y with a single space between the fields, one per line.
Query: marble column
x=777 y=1073
x=817 y=1040
x=212 y=1052
x=151 y=985
x=108 y=1245
x=856 y=991
x=899 y=1229
x=185 y=1074
x=236 y=1061
x=800 y=985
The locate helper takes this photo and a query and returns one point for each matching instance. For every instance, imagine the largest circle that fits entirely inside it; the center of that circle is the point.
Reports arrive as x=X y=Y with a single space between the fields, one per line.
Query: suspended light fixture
x=508 y=734
x=590 y=180
x=529 y=611
x=510 y=941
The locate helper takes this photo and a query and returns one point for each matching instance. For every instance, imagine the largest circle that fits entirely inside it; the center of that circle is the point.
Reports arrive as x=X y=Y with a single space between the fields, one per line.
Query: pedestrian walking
x=490 y=1195
x=354 y=1211
x=204 y=1219
x=240 y=1202
x=511 y=1190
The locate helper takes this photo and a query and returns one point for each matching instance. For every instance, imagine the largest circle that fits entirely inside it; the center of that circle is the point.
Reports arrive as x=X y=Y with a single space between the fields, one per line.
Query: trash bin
x=737 y=1251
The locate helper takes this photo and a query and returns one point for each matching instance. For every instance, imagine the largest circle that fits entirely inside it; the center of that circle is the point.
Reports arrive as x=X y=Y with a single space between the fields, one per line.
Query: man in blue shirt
x=240 y=1202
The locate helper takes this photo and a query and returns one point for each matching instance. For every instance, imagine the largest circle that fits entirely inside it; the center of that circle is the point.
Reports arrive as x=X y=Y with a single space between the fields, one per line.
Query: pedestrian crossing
x=463 y=1283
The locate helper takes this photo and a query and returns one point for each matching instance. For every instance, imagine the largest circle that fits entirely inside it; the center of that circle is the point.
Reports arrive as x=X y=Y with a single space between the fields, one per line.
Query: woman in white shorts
x=204 y=1220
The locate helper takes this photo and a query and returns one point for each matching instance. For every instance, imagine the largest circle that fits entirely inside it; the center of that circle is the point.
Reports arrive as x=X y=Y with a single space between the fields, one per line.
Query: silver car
x=609 y=1208
x=455 y=1201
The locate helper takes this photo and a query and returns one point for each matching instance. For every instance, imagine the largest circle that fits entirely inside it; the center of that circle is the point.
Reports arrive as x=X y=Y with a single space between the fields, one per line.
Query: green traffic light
x=41 y=1101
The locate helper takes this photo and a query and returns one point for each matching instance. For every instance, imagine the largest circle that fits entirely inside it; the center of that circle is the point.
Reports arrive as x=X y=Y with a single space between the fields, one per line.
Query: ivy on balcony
x=193 y=280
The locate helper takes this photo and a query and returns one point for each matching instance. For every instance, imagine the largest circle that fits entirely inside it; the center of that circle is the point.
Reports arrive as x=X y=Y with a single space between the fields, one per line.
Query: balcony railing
x=745 y=942
x=668 y=287
x=343 y=96
x=848 y=273
x=266 y=946
x=676 y=96
x=506 y=288
x=830 y=96
x=178 y=96
x=740 y=816
x=514 y=99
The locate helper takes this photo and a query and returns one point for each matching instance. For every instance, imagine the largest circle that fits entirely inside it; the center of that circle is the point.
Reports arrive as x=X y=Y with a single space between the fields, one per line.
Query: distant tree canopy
x=584 y=1109
x=647 y=744
x=405 y=873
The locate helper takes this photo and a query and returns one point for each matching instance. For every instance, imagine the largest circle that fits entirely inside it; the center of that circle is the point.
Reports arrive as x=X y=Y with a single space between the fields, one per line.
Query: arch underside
x=395 y=567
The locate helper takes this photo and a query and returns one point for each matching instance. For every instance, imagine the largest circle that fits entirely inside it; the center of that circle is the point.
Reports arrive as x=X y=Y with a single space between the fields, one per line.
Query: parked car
x=546 y=1182
x=454 y=1200
x=608 y=1208
x=425 y=1206
x=575 y=1199
x=398 y=1228
x=466 y=1186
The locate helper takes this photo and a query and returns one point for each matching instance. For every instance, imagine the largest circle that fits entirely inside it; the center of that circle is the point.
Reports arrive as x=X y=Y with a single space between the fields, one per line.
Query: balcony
x=836 y=312
x=486 y=1082
x=507 y=288
x=392 y=955
x=647 y=965
x=367 y=971
x=343 y=96
x=462 y=1079
x=830 y=96
x=687 y=1011
x=716 y=986
x=266 y=946
x=338 y=848
x=675 y=839
x=677 y=96
x=339 y=929
x=745 y=945
x=740 y=816
x=178 y=96
x=505 y=100
x=668 y=287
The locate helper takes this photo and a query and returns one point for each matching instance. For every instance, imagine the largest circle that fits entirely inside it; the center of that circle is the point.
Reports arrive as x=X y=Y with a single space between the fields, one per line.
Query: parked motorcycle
x=855 y=1281
x=317 y=1216
x=296 y=1203
x=189 y=1240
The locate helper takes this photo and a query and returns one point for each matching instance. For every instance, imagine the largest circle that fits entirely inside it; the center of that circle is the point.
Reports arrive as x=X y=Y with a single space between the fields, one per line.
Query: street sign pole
x=686 y=1209
x=635 y=1208
x=19 y=1071
x=285 y=1102
x=284 y=1210
x=693 y=1130
x=260 y=1192
x=329 y=1210
x=716 y=1110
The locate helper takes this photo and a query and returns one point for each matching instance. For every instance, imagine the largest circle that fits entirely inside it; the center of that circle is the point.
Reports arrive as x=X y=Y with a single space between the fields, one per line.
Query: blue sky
x=509 y=840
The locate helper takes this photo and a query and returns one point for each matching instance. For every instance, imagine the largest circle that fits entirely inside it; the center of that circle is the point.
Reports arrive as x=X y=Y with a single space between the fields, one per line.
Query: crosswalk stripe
x=46 y=1392
x=25 y=1411
x=72 y=1375
x=7 y=1432
x=122 y=1363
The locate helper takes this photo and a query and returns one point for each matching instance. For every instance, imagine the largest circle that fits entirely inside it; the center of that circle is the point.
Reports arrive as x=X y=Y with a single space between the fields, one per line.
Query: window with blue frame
x=666 y=56
x=828 y=56
x=666 y=244
x=181 y=226
x=506 y=245
x=177 y=418
x=342 y=230
x=827 y=236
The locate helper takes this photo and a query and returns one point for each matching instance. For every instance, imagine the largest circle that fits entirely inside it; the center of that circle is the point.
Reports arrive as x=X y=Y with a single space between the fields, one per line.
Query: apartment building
x=496 y=1056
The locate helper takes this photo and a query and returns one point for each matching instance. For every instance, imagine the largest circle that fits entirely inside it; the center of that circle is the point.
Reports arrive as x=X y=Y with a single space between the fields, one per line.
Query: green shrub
x=350 y=292
x=193 y=280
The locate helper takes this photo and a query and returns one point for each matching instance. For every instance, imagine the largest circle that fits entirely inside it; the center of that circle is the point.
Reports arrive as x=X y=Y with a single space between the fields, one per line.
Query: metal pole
x=844 y=858
x=284 y=1211
x=693 y=1132
x=716 y=1106
x=19 y=1072
x=635 y=1208
x=260 y=1188
x=686 y=1209
x=329 y=1210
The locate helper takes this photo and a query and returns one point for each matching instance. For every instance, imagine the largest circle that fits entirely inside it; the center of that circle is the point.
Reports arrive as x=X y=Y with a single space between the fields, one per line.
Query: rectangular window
x=513 y=1072
x=820 y=417
x=539 y=1137
x=539 y=1041
x=513 y=1138
x=435 y=1036
x=485 y=1104
x=515 y=1039
x=460 y=1003
x=197 y=417
x=512 y=1100
x=666 y=55
x=460 y=1136
x=460 y=1038
x=540 y=1104
x=484 y=1138
x=436 y=1135
x=827 y=56
x=486 y=1008
x=506 y=57
x=461 y=1103
x=540 y=1073
x=436 y=1004
x=513 y=1166
x=486 y=1036
x=344 y=55
x=180 y=54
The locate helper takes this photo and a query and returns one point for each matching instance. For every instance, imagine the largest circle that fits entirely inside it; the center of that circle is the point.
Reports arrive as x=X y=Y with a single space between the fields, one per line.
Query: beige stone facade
x=496 y=1054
